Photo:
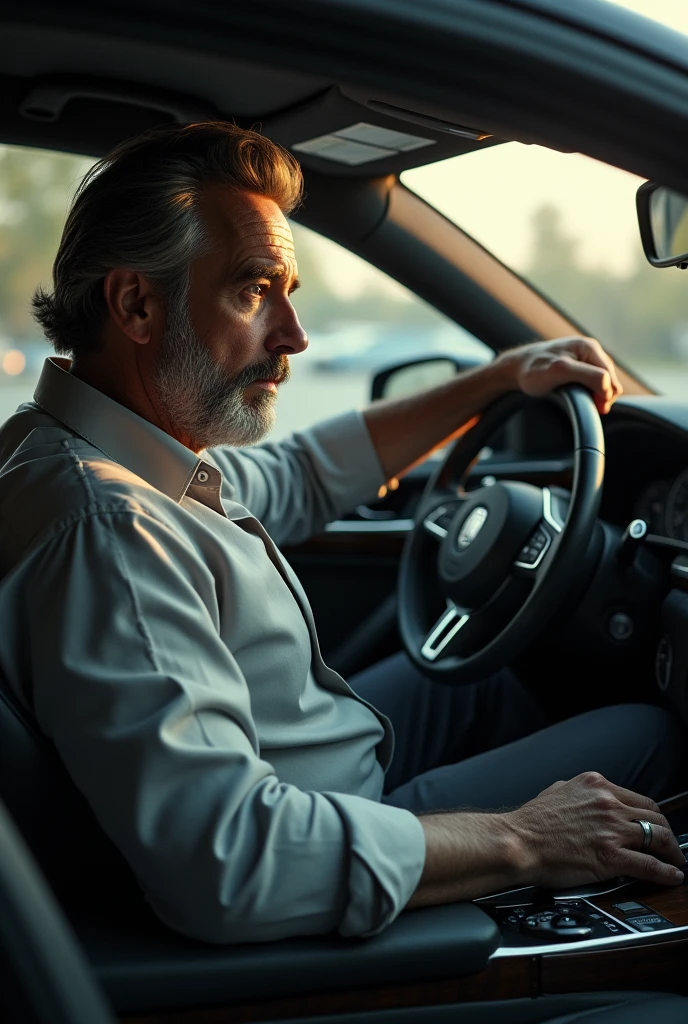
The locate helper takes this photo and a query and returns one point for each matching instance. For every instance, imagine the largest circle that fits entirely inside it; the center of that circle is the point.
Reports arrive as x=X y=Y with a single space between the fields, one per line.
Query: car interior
x=346 y=87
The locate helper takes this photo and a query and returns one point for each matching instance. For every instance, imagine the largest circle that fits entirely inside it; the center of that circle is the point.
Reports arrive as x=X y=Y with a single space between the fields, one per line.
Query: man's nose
x=288 y=337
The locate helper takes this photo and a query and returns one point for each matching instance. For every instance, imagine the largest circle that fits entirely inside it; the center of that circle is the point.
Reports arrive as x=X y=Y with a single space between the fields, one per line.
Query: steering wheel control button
x=620 y=626
x=532 y=553
x=649 y=923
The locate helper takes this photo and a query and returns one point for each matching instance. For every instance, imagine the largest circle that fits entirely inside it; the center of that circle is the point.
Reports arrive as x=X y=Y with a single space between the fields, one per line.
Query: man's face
x=225 y=349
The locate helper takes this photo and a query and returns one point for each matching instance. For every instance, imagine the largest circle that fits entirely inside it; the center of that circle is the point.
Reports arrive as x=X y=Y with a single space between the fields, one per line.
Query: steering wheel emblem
x=471 y=528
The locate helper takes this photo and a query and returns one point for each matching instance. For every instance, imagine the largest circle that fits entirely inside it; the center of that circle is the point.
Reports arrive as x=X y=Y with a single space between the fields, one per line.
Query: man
x=169 y=651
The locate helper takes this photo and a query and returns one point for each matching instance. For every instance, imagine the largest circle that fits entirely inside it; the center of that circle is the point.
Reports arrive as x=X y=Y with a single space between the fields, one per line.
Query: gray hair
x=138 y=208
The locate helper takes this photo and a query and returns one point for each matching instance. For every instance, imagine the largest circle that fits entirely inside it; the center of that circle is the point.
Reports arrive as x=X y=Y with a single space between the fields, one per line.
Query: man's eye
x=255 y=290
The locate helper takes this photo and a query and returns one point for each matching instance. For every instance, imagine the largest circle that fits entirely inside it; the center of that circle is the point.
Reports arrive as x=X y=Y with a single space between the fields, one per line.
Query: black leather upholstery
x=44 y=976
x=53 y=817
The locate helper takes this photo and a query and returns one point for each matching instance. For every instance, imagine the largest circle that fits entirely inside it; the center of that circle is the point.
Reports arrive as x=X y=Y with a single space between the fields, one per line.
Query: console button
x=629 y=907
x=649 y=922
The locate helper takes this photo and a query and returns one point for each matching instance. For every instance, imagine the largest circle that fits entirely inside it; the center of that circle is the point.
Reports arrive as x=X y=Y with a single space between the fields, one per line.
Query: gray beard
x=198 y=397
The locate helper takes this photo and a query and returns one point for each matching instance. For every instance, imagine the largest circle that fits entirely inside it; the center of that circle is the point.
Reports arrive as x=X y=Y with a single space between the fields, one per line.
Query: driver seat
x=54 y=818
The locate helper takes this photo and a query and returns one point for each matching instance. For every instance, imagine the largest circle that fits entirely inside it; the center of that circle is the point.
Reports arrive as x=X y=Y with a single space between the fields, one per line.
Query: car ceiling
x=542 y=71
x=83 y=91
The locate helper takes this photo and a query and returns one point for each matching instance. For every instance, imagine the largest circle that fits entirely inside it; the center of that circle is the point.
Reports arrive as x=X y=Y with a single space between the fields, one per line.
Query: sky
x=494 y=193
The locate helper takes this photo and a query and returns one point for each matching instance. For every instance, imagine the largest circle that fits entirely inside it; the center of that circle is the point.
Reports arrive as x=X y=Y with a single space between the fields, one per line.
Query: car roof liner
x=83 y=92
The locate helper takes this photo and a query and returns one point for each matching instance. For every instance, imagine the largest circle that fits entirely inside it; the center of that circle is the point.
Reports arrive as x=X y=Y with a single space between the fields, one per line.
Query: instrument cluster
x=663 y=504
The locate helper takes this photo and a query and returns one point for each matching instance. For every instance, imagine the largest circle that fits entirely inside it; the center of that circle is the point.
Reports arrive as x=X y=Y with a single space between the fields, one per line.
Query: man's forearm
x=435 y=416
x=468 y=855
x=406 y=430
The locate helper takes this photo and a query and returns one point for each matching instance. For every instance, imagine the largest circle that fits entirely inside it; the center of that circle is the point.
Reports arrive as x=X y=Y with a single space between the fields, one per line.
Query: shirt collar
x=121 y=434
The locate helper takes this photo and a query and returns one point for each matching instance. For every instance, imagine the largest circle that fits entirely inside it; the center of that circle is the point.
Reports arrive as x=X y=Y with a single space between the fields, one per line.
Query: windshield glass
x=568 y=224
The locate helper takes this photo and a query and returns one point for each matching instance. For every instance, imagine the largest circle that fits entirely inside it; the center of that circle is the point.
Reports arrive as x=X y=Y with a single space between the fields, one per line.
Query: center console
x=620 y=909
x=621 y=934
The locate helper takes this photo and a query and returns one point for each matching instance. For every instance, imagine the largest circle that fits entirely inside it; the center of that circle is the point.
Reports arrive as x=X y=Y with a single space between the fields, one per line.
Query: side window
x=36 y=187
x=358 y=320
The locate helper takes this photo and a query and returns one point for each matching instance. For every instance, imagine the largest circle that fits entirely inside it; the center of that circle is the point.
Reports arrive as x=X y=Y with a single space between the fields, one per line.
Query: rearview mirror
x=663 y=221
x=412 y=377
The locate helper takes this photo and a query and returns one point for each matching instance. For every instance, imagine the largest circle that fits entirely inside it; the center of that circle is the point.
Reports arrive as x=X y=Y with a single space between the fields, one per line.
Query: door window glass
x=358 y=319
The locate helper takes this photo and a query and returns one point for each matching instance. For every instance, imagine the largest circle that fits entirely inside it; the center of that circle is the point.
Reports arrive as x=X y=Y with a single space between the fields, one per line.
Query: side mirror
x=663 y=222
x=417 y=375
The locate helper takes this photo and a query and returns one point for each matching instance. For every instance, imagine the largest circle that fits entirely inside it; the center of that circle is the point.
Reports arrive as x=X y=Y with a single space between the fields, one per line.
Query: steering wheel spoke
x=441 y=638
x=508 y=555
x=437 y=521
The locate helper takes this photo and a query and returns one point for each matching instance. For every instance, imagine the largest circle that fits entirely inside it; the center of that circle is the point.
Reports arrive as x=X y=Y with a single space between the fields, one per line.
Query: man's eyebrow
x=270 y=271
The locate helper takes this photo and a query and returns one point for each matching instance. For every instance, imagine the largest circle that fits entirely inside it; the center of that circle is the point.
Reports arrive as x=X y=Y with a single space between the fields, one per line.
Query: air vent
x=361 y=143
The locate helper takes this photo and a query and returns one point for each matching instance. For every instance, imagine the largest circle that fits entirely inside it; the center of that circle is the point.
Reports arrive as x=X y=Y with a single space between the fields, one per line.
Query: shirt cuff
x=387 y=856
x=345 y=458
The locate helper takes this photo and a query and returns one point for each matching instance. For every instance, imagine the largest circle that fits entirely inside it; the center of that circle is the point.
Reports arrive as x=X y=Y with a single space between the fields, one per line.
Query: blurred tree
x=35 y=190
x=642 y=316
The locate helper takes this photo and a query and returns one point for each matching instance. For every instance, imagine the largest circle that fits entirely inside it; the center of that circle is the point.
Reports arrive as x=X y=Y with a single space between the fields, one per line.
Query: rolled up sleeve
x=296 y=486
x=151 y=714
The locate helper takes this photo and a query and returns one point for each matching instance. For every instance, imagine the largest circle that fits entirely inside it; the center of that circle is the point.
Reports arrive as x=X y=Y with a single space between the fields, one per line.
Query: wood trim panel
x=670 y=903
x=657 y=968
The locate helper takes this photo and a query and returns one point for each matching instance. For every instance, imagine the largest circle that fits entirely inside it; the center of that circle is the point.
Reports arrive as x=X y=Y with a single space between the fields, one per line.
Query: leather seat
x=52 y=816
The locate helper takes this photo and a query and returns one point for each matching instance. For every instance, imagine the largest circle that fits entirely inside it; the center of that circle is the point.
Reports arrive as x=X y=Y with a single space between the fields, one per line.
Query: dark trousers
x=488 y=745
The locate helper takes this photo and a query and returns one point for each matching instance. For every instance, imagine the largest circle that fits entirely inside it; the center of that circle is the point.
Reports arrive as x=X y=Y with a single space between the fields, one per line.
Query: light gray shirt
x=169 y=651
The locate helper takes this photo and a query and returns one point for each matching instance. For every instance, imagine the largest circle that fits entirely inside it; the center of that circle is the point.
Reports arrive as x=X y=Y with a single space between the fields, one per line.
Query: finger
x=647 y=868
x=567 y=369
x=595 y=354
x=663 y=845
x=635 y=800
x=590 y=351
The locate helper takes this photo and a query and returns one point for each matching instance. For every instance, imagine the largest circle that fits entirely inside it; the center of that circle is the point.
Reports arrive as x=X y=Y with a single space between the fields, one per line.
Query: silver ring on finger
x=647 y=832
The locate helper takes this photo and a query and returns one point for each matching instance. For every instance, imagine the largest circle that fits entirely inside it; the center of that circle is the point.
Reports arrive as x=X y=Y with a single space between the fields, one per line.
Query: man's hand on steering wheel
x=542 y=366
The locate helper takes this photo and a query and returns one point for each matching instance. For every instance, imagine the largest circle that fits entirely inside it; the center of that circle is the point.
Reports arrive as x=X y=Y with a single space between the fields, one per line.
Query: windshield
x=567 y=223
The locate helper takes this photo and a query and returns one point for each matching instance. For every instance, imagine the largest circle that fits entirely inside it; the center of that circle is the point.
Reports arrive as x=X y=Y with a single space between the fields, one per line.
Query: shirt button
x=202 y=476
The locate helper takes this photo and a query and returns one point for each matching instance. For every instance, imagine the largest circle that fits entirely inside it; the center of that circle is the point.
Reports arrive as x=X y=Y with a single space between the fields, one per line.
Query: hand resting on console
x=572 y=833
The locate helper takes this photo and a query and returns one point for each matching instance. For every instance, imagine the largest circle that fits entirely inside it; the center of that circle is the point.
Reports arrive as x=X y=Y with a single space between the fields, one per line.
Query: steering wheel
x=506 y=556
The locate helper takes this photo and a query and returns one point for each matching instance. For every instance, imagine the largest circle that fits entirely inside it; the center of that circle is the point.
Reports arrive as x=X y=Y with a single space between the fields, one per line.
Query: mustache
x=273 y=368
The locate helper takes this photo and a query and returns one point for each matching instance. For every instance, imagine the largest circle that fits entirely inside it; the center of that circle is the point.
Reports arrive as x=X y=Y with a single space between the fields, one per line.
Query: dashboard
x=646 y=474
x=663 y=504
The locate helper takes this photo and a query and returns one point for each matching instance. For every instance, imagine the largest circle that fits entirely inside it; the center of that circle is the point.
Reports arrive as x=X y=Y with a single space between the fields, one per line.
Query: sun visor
x=335 y=134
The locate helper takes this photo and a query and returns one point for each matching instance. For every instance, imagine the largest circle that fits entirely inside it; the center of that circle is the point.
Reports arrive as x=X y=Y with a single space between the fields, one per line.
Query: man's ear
x=135 y=307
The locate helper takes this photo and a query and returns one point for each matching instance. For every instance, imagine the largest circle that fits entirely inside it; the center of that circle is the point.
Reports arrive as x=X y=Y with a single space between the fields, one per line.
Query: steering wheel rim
x=559 y=569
